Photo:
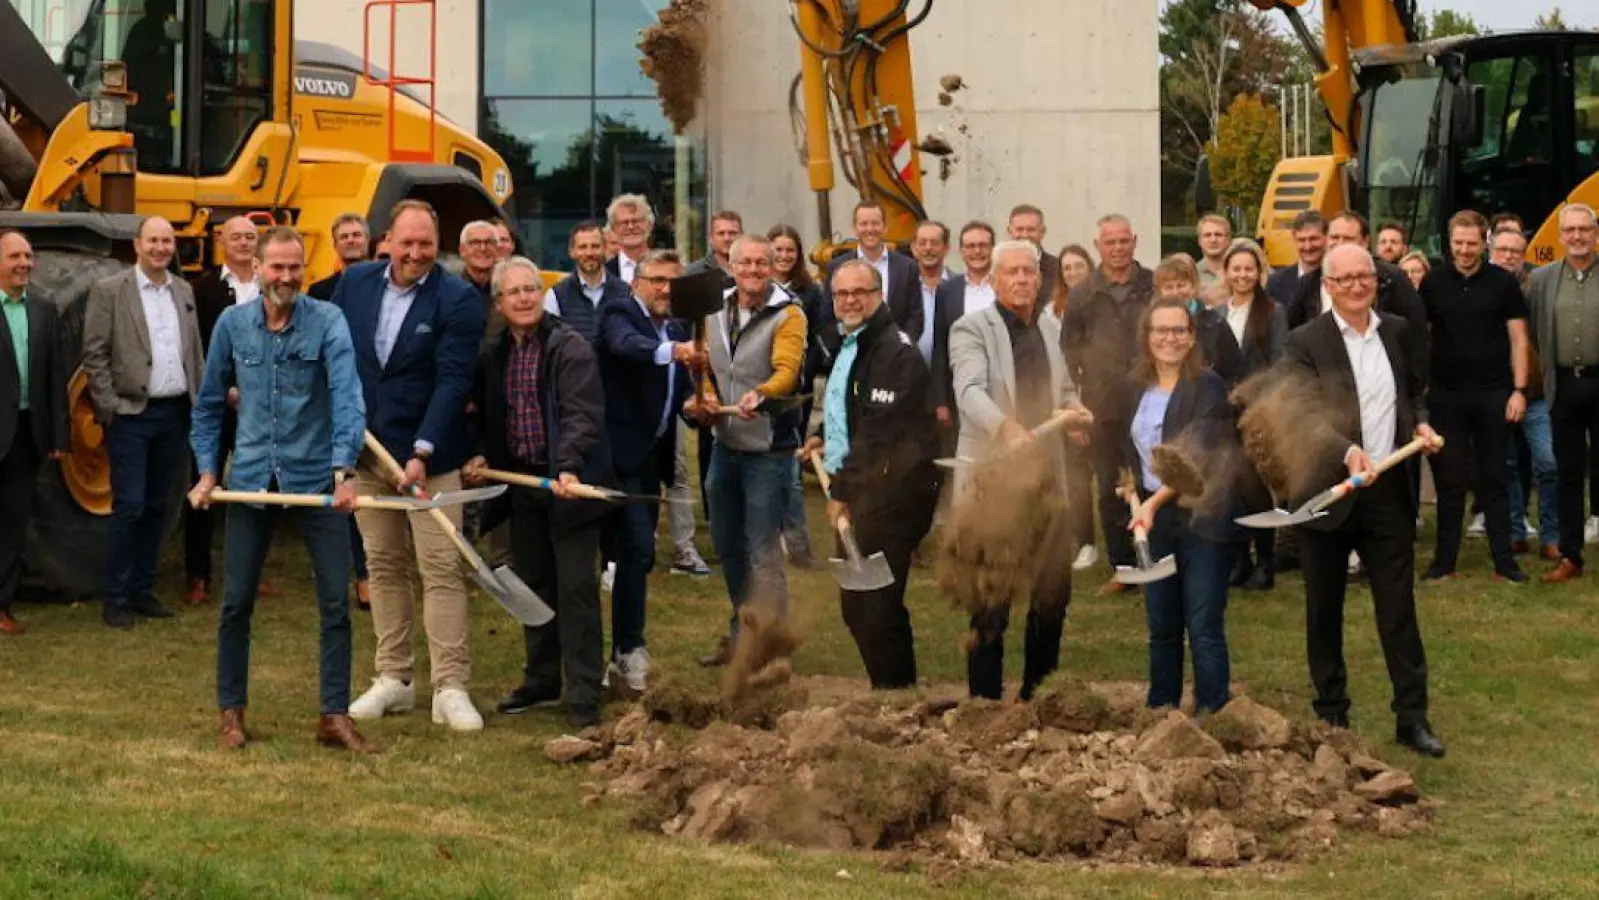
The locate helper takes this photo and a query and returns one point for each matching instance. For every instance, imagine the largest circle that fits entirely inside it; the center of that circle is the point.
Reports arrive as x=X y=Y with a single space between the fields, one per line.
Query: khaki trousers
x=399 y=545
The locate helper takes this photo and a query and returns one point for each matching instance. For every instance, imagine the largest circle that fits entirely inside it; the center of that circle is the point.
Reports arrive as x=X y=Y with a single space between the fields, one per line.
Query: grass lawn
x=110 y=786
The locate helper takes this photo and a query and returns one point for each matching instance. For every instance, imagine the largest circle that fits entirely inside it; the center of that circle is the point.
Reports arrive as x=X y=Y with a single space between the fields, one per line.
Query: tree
x=1553 y=20
x=1244 y=152
x=1447 y=23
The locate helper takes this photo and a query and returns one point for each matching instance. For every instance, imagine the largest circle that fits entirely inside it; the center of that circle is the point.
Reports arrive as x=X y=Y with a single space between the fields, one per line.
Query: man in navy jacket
x=578 y=297
x=416 y=330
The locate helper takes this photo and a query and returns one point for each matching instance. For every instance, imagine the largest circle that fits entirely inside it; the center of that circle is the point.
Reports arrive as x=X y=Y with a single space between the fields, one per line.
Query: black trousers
x=1574 y=418
x=1382 y=528
x=1080 y=492
x=1046 y=620
x=1476 y=443
x=1113 y=514
x=560 y=562
x=878 y=620
x=200 y=524
x=19 y=468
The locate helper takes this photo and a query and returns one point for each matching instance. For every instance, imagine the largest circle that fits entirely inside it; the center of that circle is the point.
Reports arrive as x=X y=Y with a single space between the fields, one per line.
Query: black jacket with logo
x=893 y=435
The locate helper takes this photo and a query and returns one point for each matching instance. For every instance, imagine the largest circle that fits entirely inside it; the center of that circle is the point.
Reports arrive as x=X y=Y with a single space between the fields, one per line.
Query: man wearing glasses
x=479 y=253
x=630 y=219
x=1564 y=302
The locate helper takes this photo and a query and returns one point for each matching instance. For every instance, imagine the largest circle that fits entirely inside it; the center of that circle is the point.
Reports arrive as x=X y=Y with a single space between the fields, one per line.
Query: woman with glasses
x=1171 y=399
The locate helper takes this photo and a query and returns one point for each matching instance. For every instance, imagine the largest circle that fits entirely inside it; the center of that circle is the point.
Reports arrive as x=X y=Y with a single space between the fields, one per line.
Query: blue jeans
x=1541 y=442
x=1195 y=600
x=634 y=525
x=326 y=533
x=745 y=494
x=146 y=453
x=796 y=534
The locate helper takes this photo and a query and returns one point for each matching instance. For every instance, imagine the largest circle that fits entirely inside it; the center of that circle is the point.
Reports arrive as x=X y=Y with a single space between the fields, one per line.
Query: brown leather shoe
x=1550 y=552
x=199 y=592
x=1563 y=573
x=11 y=626
x=339 y=732
x=1519 y=547
x=1113 y=587
x=230 y=736
x=363 y=595
x=265 y=588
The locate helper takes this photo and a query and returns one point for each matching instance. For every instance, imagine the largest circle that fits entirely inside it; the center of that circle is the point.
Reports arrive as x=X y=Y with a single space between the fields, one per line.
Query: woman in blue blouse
x=1171 y=399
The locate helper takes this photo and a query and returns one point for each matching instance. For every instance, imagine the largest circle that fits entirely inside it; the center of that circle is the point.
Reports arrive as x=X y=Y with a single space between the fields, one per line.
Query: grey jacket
x=984 y=376
x=116 y=344
x=1542 y=286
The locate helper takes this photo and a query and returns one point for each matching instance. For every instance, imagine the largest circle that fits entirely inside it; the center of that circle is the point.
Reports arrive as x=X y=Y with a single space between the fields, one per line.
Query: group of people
x=595 y=382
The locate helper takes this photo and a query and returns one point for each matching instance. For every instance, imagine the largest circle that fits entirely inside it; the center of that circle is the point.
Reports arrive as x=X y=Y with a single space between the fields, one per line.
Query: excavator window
x=1515 y=168
x=1585 y=91
x=236 y=80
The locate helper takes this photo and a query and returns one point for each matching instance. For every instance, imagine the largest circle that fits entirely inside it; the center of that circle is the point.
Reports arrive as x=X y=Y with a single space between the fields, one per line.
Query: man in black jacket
x=901 y=284
x=542 y=410
x=877 y=442
x=352 y=242
x=1310 y=243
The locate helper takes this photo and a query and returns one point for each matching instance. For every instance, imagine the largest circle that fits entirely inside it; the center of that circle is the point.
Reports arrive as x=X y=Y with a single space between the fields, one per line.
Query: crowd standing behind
x=594 y=382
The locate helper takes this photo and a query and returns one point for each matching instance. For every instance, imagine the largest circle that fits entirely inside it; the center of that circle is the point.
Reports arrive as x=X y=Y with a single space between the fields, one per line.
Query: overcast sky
x=1509 y=15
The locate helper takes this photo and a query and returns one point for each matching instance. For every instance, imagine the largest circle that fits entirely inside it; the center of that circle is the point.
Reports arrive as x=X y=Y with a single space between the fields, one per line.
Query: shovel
x=401 y=504
x=1316 y=506
x=504 y=585
x=770 y=406
x=1147 y=571
x=1062 y=418
x=854 y=572
x=582 y=491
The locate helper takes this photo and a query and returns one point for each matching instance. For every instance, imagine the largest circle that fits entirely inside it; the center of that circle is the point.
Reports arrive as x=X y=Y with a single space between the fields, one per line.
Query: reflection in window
x=546 y=146
x=1585 y=90
x=637 y=153
x=542 y=49
x=617 y=24
x=237 y=79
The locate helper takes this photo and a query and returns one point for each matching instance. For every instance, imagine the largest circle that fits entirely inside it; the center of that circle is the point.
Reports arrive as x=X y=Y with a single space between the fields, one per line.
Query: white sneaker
x=1478 y=527
x=633 y=667
x=386 y=695
x=1590 y=529
x=1087 y=558
x=608 y=577
x=1354 y=563
x=452 y=707
x=1532 y=530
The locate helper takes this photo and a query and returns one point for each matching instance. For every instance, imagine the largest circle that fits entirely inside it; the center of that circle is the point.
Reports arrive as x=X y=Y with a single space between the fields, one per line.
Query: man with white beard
x=301 y=419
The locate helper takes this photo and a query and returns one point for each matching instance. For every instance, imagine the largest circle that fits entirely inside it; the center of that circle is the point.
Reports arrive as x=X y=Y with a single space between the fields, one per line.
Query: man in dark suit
x=33 y=406
x=352 y=242
x=1396 y=296
x=1026 y=223
x=630 y=219
x=966 y=293
x=901 y=284
x=1374 y=388
x=416 y=330
x=141 y=351
x=644 y=357
x=1310 y=240
x=578 y=297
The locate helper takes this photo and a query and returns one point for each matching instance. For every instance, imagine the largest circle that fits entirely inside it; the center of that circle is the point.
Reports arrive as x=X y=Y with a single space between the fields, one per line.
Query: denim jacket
x=301 y=414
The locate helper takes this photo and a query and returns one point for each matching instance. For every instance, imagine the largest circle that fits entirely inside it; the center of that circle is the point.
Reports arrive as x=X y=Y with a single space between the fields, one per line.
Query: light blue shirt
x=663 y=357
x=924 y=344
x=391 y=313
x=835 y=414
x=1147 y=426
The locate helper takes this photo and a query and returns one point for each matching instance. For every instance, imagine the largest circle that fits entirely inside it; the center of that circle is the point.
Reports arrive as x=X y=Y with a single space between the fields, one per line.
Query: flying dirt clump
x=1284 y=412
x=1179 y=471
x=766 y=641
x=674 y=58
x=1082 y=773
x=1003 y=530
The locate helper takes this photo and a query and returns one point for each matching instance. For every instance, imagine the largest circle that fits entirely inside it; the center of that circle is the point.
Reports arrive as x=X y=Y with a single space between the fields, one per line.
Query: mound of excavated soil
x=1076 y=774
x=673 y=56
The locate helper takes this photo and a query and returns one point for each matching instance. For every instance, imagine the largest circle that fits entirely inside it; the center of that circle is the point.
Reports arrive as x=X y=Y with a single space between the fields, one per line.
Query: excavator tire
x=66 y=547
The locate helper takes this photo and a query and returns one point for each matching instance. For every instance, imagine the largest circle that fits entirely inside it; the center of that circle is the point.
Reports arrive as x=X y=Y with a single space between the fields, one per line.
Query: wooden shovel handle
x=273 y=498
x=544 y=484
x=1355 y=482
x=397 y=472
x=821 y=473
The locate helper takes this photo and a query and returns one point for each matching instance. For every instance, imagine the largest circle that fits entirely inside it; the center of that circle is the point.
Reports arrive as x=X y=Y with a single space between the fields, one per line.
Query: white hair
x=864 y=266
x=504 y=266
x=1579 y=208
x=1030 y=248
x=634 y=201
x=749 y=238
x=474 y=225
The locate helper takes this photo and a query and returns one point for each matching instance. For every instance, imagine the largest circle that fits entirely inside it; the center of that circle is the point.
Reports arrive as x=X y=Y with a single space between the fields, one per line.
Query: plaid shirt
x=524 y=421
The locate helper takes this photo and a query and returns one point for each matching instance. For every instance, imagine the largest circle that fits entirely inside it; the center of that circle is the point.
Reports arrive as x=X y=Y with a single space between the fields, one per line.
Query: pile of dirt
x=1283 y=411
x=1180 y=471
x=1079 y=773
x=1004 y=531
x=766 y=642
x=674 y=58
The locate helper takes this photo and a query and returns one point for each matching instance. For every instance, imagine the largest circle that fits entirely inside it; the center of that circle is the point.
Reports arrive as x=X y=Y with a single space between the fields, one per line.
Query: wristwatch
x=340 y=476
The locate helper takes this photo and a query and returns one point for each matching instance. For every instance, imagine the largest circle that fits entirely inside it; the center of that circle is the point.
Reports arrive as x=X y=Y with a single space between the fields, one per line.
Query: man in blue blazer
x=578 y=297
x=1310 y=242
x=643 y=365
x=416 y=330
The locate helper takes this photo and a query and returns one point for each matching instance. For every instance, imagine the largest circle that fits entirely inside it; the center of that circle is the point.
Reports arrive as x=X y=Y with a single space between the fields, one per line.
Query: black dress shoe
x=1419 y=737
x=527 y=697
x=1511 y=573
x=1337 y=720
x=721 y=656
x=581 y=717
x=1436 y=572
x=150 y=608
x=1262 y=579
x=116 y=616
x=1241 y=571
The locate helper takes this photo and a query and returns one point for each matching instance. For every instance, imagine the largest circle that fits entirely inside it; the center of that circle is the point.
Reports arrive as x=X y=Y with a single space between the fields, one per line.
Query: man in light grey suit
x=1010 y=376
x=141 y=351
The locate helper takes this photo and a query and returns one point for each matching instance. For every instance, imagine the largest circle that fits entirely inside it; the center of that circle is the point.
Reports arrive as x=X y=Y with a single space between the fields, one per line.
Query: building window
x=565 y=104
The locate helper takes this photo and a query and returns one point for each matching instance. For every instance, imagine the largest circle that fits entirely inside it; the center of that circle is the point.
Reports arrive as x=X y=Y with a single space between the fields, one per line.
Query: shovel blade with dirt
x=1148 y=570
x=855 y=572
x=1316 y=506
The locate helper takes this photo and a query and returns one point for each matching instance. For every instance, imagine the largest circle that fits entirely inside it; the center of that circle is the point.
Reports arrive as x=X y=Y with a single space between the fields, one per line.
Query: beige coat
x=116 y=344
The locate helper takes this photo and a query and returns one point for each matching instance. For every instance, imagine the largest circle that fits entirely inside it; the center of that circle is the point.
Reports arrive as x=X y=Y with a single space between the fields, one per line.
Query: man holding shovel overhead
x=300 y=420
x=876 y=444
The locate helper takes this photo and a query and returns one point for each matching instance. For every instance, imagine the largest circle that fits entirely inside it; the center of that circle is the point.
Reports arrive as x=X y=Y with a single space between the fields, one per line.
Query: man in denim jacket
x=285 y=362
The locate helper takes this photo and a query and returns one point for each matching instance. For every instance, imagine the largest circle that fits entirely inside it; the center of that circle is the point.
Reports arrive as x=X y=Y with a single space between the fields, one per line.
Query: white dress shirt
x=881 y=265
x=979 y=294
x=167 y=378
x=1238 y=320
x=243 y=291
x=625 y=267
x=1374 y=385
x=392 y=310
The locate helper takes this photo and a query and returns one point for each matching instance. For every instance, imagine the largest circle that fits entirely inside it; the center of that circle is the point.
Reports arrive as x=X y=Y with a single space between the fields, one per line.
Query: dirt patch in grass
x=1077 y=774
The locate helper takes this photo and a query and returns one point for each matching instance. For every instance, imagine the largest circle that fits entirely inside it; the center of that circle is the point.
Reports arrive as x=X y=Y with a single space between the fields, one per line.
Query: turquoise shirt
x=835 y=415
x=16 y=310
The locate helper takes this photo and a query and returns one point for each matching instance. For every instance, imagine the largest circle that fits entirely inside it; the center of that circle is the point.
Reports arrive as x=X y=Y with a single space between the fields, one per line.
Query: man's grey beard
x=281 y=296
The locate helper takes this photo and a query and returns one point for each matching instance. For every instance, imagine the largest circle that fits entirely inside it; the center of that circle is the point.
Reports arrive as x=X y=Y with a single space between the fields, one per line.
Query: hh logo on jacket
x=881 y=396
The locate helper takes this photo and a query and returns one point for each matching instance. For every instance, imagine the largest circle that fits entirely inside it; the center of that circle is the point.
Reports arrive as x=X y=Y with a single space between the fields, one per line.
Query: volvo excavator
x=1497 y=123
x=198 y=111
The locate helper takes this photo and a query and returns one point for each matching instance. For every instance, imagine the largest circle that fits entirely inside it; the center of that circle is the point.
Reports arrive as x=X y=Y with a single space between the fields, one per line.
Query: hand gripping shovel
x=1316 y=506
x=1146 y=571
x=581 y=491
x=504 y=585
x=854 y=572
x=1063 y=418
x=402 y=504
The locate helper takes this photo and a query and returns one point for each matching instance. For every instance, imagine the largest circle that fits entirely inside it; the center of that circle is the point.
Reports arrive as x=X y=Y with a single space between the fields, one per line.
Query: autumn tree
x=1244 y=152
x=1553 y=20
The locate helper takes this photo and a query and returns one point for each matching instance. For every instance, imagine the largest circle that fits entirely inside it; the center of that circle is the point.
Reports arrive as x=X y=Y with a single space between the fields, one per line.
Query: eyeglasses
x=852 y=296
x=1171 y=332
x=627 y=223
x=522 y=290
x=481 y=243
x=652 y=279
x=1345 y=282
x=1578 y=229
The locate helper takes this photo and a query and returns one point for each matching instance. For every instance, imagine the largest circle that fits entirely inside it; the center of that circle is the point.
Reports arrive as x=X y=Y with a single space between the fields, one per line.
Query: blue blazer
x=635 y=386
x=422 y=393
x=1282 y=285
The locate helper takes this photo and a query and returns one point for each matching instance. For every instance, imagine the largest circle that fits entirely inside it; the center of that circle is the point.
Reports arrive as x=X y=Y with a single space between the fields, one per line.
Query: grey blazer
x=116 y=344
x=984 y=376
x=1542 y=285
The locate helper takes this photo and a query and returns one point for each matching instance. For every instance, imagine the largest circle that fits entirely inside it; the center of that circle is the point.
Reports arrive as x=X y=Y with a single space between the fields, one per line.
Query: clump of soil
x=1179 y=471
x=1076 y=774
x=935 y=145
x=1006 y=530
x=761 y=655
x=1283 y=409
x=674 y=58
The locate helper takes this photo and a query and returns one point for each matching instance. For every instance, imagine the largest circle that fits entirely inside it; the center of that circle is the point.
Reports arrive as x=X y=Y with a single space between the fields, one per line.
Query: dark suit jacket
x=49 y=368
x=949 y=304
x=1282 y=284
x=635 y=387
x=1316 y=349
x=212 y=294
x=1396 y=296
x=1252 y=357
x=904 y=297
x=1198 y=414
x=323 y=290
x=421 y=394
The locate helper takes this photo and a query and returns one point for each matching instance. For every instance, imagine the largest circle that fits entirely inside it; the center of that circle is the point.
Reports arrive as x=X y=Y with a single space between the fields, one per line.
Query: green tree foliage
x=1244 y=152
x=1446 y=23
x=1553 y=20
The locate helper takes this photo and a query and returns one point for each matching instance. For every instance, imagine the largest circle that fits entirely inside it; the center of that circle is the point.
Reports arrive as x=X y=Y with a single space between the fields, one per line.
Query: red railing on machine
x=393 y=80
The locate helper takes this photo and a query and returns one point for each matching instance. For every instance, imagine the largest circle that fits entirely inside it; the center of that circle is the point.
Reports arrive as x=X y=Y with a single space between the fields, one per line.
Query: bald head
x=1350 y=275
x=154 y=247
x=239 y=238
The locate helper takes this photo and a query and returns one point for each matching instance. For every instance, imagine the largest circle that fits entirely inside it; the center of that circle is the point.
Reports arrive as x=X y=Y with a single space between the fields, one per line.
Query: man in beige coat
x=141 y=351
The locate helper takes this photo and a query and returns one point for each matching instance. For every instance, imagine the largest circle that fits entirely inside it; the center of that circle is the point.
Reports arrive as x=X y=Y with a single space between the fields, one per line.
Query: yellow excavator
x=198 y=111
x=1497 y=123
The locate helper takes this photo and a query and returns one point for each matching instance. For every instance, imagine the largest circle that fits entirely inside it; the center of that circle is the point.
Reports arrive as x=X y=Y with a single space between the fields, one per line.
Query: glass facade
x=564 y=102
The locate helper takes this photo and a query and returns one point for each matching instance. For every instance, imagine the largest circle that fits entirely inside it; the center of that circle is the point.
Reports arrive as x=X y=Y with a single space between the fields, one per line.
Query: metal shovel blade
x=457 y=498
x=1280 y=518
x=869 y=573
x=512 y=593
x=1158 y=571
x=953 y=462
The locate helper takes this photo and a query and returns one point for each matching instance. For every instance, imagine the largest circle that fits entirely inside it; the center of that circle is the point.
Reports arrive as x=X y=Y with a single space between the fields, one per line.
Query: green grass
x=109 y=786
